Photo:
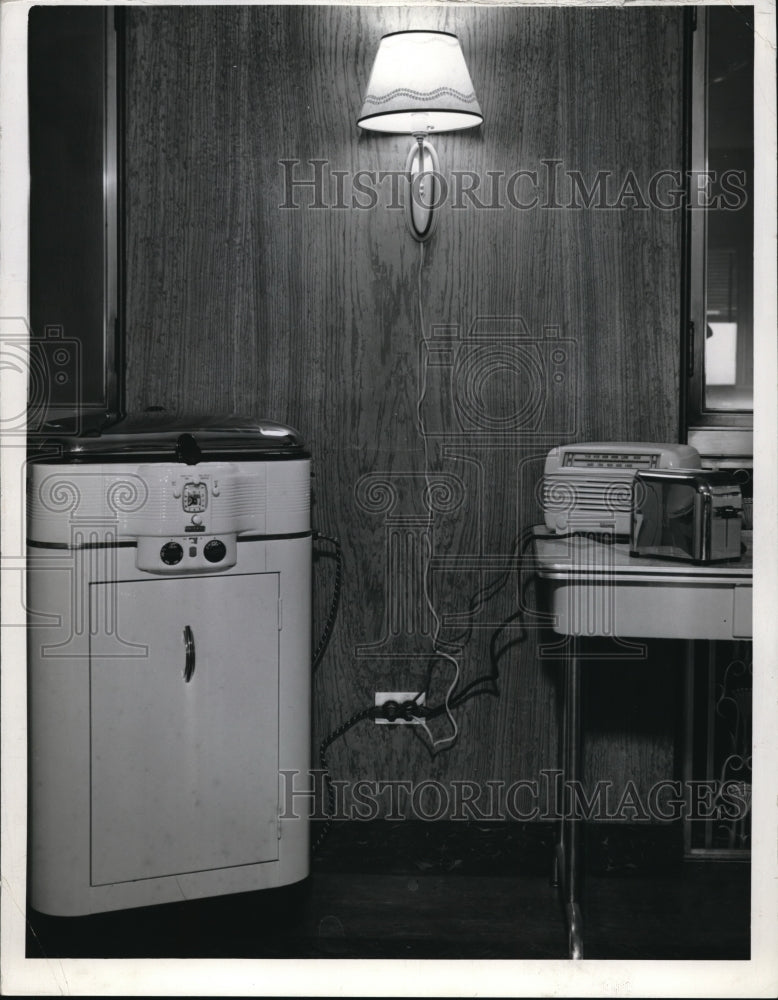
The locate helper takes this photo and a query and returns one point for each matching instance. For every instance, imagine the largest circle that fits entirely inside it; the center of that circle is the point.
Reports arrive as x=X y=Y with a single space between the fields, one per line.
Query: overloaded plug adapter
x=399 y=707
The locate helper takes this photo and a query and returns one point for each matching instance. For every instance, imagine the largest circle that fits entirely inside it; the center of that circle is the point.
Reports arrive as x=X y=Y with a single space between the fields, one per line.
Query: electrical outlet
x=382 y=697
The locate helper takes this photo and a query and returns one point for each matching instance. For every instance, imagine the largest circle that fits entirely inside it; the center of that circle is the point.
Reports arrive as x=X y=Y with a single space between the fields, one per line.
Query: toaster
x=589 y=486
x=686 y=514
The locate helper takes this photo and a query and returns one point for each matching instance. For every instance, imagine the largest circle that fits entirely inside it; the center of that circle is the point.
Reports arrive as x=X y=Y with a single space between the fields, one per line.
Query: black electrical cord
x=318 y=655
x=471 y=690
x=329 y=625
x=521 y=543
x=371 y=712
x=365 y=713
x=519 y=546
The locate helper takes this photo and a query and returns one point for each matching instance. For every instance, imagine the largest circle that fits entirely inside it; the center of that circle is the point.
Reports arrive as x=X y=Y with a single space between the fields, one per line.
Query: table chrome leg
x=571 y=831
x=558 y=863
x=575 y=931
x=565 y=872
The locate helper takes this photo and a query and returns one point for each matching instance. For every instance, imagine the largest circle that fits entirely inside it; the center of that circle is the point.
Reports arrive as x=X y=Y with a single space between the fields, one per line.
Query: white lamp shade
x=420 y=84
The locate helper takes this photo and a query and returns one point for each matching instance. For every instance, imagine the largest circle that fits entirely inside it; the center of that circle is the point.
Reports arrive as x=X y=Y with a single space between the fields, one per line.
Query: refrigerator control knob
x=215 y=550
x=171 y=553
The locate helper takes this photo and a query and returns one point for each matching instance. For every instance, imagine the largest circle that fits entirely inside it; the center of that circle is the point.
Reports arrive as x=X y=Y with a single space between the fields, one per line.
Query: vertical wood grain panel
x=311 y=316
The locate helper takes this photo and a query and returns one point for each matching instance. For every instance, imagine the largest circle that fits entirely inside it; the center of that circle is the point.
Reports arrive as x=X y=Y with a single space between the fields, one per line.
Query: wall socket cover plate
x=381 y=698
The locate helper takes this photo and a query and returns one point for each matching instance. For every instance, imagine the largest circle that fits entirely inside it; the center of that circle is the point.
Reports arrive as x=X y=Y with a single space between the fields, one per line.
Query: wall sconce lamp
x=420 y=84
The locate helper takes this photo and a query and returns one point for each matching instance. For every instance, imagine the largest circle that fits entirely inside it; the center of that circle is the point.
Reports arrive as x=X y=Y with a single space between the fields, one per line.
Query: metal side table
x=595 y=588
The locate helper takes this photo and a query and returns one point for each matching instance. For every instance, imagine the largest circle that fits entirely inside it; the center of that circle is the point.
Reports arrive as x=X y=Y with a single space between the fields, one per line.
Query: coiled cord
x=337 y=585
x=365 y=713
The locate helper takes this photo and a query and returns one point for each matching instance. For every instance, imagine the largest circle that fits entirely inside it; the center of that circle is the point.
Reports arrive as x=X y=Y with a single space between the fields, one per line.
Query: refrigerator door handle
x=189 y=653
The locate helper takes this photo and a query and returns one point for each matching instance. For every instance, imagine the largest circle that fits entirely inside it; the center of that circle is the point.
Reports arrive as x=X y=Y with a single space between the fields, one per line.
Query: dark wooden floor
x=443 y=890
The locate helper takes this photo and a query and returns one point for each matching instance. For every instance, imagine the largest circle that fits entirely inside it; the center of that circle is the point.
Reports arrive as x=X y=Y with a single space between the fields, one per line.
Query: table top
x=584 y=557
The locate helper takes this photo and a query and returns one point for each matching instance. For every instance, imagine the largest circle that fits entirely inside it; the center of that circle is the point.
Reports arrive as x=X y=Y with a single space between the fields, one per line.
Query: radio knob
x=171 y=553
x=215 y=550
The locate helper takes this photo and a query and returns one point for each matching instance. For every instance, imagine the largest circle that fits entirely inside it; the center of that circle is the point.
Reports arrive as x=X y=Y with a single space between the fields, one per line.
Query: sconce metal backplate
x=421 y=168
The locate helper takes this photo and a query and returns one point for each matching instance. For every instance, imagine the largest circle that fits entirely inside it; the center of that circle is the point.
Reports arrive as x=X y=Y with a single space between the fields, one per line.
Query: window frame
x=98 y=331
x=725 y=436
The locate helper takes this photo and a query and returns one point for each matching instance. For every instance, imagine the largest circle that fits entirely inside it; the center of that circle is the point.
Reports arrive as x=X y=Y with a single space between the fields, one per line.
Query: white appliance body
x=169 y=680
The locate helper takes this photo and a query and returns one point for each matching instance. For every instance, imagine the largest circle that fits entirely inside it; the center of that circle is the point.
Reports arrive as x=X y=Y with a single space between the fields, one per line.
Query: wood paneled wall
x=429 y=389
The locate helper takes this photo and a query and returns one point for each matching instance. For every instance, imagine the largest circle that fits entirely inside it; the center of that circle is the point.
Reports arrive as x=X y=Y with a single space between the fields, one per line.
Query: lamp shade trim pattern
x=417 y=95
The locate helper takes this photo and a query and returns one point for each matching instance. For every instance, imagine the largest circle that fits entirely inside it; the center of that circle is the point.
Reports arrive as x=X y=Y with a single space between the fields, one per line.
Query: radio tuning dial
x=171 y=553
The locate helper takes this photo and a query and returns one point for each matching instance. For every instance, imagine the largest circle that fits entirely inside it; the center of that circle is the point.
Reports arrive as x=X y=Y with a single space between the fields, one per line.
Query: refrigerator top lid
x=152 y=438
